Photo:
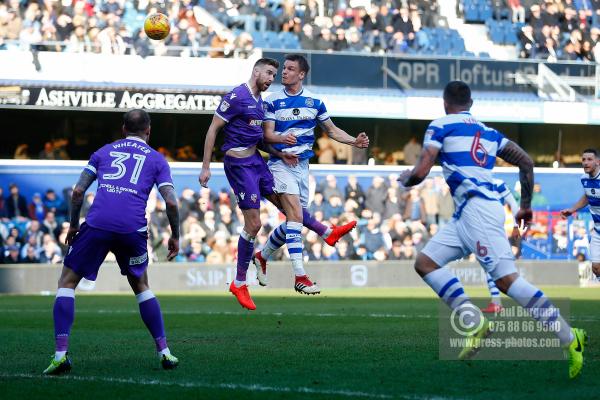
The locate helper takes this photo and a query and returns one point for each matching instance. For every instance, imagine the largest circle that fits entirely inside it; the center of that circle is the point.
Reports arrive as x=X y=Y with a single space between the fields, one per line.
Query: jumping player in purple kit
x=126 y=171
x=240 y=115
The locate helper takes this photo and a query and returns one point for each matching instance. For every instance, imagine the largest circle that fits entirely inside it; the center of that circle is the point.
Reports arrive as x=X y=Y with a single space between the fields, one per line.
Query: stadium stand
x=548 y=30
x=393 y=223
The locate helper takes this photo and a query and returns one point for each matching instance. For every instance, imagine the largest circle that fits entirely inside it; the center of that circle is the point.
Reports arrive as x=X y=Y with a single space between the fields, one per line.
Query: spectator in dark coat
x=16 y=205
x=376 y=195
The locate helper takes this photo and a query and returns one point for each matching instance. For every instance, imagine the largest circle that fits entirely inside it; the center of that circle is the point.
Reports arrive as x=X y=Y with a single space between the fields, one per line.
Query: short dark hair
x=591 y=150
x=301 y=60
x=267 y=61
x=457 y=93
x=136 y=121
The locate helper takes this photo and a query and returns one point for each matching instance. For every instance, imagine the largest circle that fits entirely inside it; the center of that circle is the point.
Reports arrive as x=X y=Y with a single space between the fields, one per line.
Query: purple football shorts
x=250 y=179
x=91 y=245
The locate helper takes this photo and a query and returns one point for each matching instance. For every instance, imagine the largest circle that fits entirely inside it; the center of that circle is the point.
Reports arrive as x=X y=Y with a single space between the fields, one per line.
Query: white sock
x=275 y=241
x=59 y=355
x=494 y=292
x=238 y=284
x=164 y=351
x=145 y=295
x=531 y=298
x=293 y=239
x=451 y=291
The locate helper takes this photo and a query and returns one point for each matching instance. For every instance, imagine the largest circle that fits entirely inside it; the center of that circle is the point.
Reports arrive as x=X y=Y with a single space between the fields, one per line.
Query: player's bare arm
x=168 y=194
x=288 y=158
x=85 y=181
x=515 y=155
x=271 y=137
x=582 y=202
x=421 y=169
x=339 y=135
x=209 y=143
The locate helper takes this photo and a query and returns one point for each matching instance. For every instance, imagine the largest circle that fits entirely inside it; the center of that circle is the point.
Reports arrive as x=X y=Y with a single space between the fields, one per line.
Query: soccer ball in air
x=157 y=26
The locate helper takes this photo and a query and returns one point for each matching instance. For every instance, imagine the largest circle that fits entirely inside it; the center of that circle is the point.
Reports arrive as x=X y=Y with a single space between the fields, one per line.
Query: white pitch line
x=192 y=312
x=205 y=385
x=580 y=318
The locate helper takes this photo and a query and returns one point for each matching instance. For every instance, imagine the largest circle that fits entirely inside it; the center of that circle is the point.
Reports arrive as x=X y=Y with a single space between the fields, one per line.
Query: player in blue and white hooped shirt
x=591 y=185
x=296 y=111
x=467 y=150
x=506 y=198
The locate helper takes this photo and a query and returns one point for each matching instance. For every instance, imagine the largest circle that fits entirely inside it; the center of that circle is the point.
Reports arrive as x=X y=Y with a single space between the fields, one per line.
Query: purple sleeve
x=229 y=107
x=163 y=173
x=92 y=166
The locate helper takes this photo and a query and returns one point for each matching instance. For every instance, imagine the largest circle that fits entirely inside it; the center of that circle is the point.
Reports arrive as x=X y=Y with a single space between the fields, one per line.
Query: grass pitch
x=348 y=344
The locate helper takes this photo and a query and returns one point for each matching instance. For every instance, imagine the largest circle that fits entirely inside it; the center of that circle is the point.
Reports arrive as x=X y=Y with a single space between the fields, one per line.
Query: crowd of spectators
x=394 y=223
x=558 y=29
x=53 y=150
x=113 y=26
x=552 y=30
x=34 y=230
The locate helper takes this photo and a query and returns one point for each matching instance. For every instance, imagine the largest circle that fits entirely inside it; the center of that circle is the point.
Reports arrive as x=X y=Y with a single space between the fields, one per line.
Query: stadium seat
x=497 y=35
x=485 y=12
x=510 y=36
x=471 y=14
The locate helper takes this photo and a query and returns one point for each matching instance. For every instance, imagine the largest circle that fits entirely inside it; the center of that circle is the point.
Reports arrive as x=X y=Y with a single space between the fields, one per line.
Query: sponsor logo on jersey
x=296 y=111
x=255 y=122
x=138 y=260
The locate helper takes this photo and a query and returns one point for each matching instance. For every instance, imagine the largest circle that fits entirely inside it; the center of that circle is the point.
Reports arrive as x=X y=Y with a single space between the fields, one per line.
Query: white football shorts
x=479 y=230
x=291 y=180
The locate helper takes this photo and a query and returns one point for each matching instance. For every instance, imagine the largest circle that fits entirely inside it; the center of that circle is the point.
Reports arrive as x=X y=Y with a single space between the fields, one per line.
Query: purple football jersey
x=126 y=170
x=244 y=115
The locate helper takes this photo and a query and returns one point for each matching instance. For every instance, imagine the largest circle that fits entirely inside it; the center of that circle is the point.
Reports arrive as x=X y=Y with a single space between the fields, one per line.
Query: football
x=157 y=26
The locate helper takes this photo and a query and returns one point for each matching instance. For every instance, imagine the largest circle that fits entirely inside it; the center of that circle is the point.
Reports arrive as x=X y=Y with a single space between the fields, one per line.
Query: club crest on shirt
x=242 y=195
x=253 y=197
x=309 y=102
x=224 y=106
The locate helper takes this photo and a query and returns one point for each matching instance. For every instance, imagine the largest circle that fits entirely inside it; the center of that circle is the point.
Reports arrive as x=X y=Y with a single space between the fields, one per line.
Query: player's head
x=457 y=97
x=264 y=72
x=137 y=123
x=295 y=69
x=590 y=161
